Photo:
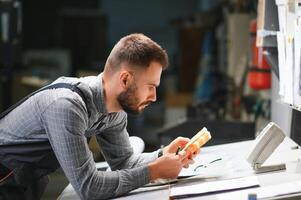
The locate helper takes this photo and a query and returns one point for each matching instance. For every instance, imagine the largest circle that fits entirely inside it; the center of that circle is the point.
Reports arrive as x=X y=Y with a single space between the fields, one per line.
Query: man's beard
x=129 y=101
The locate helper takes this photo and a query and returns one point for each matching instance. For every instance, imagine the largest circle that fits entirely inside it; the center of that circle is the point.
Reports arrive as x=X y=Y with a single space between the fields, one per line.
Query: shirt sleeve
x=65 y=122
x=117 y=149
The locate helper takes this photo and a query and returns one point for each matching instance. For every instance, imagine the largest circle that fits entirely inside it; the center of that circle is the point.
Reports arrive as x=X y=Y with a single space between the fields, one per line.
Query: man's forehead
x=154 y=73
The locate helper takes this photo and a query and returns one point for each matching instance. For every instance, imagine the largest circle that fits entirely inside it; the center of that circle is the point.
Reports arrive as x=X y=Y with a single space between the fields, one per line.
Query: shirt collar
x=99 y=98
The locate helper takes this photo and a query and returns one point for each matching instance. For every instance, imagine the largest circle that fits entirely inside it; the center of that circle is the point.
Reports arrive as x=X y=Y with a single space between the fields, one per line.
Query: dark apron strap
x=74 y=88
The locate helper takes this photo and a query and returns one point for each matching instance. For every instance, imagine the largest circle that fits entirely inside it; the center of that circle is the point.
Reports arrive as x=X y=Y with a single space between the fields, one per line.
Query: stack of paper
x=268 y=192
x=213 y=187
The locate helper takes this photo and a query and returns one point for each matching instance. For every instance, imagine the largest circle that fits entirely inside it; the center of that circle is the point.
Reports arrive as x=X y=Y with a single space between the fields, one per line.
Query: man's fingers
x=196 y=153
x=182 y=141
x=183 y=155
x=186 y=166
x=191 y=161
x=187 y=161
x=188 y=154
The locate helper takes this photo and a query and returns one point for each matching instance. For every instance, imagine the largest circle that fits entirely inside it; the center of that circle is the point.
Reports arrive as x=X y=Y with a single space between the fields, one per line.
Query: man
x=50 y=129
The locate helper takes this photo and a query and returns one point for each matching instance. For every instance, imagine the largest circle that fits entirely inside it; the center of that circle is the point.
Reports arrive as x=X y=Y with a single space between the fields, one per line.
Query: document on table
x=208 y=165
x=213 y=187
x=267 y=192
x=280 y=190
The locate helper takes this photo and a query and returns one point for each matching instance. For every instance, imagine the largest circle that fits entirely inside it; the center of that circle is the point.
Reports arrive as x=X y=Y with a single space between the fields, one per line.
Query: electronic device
x=264 y=145
x=197 y=141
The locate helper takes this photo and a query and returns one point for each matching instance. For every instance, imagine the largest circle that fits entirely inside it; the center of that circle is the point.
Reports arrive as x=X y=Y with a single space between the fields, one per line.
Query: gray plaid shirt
x=61 y=116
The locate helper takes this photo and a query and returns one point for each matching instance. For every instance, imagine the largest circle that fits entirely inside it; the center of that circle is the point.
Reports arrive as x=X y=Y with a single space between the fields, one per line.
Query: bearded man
x=49 y=129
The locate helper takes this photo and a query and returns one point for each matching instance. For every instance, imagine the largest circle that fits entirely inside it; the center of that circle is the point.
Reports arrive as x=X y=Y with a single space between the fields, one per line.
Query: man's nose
x=153 y=95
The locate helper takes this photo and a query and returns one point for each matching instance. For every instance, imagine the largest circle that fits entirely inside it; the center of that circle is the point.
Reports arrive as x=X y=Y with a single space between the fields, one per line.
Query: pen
x=178 y=150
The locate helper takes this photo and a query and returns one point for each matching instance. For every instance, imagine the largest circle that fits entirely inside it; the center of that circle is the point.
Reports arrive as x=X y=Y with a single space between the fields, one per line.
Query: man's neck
x=111 y=102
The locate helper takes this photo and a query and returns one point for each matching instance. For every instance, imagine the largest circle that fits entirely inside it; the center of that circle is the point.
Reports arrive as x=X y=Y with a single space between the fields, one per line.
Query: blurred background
x=218 y=77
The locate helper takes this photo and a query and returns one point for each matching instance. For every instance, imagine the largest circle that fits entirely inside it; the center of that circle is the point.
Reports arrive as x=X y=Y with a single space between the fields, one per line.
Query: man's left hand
x=180 y=142
x=175 y=144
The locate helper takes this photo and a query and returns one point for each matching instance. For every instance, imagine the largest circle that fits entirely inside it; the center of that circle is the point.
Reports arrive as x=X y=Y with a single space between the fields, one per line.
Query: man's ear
x=125 y=79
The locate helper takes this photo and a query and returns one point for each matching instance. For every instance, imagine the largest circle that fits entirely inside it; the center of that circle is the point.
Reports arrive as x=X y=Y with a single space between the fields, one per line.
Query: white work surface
x=232 y=165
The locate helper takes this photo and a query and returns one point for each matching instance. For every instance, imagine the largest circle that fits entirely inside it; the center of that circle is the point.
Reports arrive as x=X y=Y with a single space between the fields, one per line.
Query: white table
x=234 y=155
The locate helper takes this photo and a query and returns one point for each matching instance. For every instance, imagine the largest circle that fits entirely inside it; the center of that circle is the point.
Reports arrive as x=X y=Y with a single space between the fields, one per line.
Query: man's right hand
x=168 y=166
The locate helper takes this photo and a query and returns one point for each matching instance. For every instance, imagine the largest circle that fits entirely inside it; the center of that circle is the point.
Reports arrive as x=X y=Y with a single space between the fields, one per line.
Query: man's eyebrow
x=153 y=84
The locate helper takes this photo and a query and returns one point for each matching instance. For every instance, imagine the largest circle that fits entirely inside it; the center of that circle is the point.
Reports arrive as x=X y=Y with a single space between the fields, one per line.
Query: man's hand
x=173 y=146
x=181 y=142
x=168 y=166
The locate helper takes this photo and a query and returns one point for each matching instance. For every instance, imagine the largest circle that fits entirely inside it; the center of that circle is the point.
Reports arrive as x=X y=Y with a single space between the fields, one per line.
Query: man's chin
x=139 y=110
x=136 y=113
x=133 y=111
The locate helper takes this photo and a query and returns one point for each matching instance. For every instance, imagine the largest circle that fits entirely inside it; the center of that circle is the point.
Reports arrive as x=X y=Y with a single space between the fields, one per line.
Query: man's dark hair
x=138 y=50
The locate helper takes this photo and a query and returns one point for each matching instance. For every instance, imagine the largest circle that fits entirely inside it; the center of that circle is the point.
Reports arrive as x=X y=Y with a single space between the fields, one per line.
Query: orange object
x=197 y=141
x=259 y=76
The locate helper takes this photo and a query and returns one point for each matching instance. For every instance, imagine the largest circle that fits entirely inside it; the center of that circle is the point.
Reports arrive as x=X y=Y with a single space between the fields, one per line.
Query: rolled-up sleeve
x=65 y=122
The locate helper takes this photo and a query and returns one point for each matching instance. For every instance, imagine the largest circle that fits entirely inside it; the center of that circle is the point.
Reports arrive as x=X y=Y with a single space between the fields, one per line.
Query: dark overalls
x=24 y=167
